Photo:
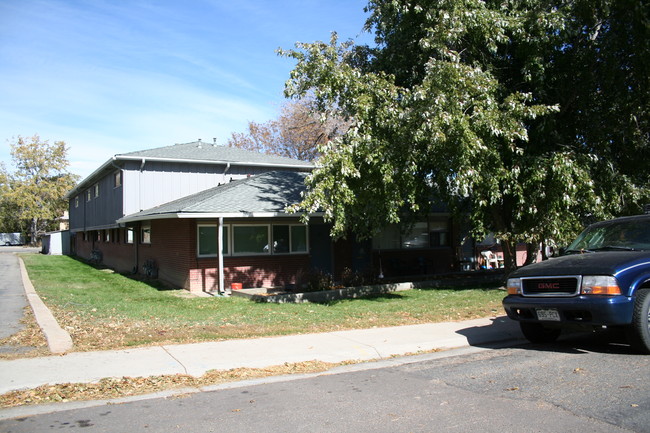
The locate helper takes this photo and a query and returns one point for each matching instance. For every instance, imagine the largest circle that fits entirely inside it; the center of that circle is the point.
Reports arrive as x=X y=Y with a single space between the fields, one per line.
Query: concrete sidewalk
x=196 y=359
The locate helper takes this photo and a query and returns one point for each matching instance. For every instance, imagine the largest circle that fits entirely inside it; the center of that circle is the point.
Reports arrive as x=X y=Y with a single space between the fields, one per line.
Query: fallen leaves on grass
x=111 y=388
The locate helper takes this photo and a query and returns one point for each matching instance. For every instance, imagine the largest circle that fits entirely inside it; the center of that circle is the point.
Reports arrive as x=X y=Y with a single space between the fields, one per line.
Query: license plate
x=550 y=315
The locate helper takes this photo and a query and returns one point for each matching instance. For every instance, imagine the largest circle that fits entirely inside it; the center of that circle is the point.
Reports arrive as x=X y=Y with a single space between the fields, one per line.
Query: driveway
x=12 y=293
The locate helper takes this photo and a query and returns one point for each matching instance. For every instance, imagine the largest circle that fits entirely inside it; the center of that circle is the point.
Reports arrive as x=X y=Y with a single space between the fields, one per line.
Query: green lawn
x=104 y=310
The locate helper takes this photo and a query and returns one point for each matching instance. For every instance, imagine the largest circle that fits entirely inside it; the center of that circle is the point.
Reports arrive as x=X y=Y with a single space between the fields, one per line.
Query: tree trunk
x=531 y=253
x=544 y=255
x=509 y=255
x=33 y=228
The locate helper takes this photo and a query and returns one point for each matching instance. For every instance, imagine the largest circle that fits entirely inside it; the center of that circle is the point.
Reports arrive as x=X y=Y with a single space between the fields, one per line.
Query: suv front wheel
x=639 y=331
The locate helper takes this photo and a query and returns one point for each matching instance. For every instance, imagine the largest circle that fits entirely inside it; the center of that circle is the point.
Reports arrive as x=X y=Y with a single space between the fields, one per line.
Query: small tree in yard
x=32 y=197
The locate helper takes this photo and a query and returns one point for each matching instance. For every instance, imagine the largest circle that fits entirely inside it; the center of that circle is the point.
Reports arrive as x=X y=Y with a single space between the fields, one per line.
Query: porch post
x=222 y=288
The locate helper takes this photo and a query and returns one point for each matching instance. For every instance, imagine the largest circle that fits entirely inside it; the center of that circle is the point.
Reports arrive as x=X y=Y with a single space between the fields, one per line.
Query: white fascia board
x=215 y=215
x=215 y=162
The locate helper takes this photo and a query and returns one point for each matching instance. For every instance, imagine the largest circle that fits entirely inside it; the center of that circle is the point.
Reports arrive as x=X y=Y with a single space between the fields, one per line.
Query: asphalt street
x=12 y=294
x=580 y=384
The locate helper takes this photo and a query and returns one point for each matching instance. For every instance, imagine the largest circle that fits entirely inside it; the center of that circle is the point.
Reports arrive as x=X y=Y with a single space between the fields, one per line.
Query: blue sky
x=114 y=76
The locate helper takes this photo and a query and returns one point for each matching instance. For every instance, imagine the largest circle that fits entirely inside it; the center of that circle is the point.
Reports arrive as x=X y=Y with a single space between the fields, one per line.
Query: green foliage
x=528 y=115
x=32 y=197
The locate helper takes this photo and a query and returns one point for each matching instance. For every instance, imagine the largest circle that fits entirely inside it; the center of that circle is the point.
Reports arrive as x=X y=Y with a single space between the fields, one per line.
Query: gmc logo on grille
x=548 y=286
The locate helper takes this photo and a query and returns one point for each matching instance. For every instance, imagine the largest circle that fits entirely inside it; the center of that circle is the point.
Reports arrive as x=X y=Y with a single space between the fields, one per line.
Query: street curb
x=58 y=340
x=396 y=361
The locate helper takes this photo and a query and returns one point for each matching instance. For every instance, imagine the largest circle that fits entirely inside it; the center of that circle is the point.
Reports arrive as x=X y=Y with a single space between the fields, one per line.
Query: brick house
x=201 y=217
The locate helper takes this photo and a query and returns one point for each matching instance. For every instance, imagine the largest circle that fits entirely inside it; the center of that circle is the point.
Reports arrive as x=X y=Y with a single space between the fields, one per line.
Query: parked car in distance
x=601 y=280
x=12 y=239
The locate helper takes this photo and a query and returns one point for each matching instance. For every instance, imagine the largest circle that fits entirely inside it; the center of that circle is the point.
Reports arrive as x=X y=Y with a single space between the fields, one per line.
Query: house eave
x=306 y=167
x=211 y=215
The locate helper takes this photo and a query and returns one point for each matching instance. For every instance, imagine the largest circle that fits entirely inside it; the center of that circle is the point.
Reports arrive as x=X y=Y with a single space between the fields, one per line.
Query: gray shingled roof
x=200 y=151
x=266 y=194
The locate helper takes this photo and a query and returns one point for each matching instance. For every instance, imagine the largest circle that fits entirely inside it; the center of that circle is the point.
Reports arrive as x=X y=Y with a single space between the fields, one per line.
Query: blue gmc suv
x=601 y=280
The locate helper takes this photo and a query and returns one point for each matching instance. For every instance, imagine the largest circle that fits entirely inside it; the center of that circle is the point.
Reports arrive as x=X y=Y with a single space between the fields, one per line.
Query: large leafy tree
x=32 y=196
x=512 y=112
x=296 y=133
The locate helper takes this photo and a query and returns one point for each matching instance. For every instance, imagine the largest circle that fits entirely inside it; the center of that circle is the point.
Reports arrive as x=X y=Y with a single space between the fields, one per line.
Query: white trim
x=219 y=235
x=126 y=235
x=222 y=280
x=214 y=162
x=213 y=215
x=143 y=228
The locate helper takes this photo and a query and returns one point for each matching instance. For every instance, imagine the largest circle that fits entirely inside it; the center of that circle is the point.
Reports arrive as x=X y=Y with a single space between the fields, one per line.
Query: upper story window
x=96 y=188
x=76 y=201
x=88 y=195
x=117 y=179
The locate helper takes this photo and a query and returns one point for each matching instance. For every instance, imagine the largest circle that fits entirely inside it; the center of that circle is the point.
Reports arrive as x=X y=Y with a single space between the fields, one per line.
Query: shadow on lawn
x=154 y=283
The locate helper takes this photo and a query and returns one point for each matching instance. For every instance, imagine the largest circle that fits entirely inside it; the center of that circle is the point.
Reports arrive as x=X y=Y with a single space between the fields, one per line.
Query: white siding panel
x=161 y=182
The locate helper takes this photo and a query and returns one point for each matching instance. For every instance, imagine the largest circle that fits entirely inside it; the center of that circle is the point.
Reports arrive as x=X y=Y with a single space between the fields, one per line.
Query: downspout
x=136 y=234
x=222 y=289
x=140 y=184
x=136 y=242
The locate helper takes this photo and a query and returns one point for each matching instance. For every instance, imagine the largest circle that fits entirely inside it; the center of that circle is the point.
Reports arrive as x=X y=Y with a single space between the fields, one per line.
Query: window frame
x=229 y=242
x=129 y=238
x=117 y=179
x=268 y=240
x=226 y=228
x=145 y=229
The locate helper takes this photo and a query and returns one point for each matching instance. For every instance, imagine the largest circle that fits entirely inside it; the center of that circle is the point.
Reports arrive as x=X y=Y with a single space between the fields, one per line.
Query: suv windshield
x=614 y=235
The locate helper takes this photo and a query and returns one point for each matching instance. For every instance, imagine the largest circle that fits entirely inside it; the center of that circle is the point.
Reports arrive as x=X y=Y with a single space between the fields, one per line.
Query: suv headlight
x=599 y=285
x=514 y=286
